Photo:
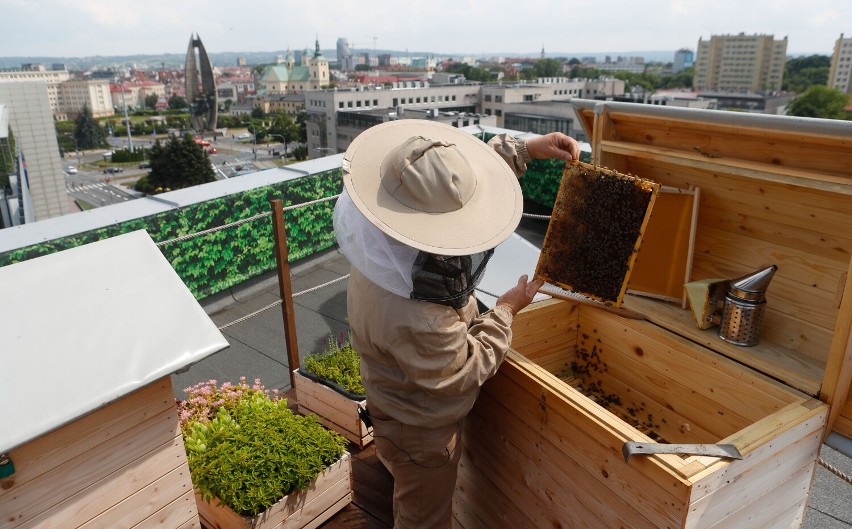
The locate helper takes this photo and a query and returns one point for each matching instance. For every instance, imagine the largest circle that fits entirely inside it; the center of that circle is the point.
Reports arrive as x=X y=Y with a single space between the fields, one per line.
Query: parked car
x=71 y=169
x=211 y=150
x=145 y=165
x=113 y=170
x=243 y=136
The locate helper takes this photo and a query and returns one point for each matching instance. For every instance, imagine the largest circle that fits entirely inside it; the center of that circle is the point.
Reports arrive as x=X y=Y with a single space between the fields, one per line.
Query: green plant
x=338 y=363
x=248 y=449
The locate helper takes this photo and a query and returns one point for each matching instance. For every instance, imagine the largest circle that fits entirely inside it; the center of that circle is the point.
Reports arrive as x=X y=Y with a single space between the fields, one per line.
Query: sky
x=81 y=28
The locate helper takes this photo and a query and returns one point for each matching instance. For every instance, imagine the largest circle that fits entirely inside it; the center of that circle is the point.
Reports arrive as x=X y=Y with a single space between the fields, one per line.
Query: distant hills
x=176 y=60
x=229 y=58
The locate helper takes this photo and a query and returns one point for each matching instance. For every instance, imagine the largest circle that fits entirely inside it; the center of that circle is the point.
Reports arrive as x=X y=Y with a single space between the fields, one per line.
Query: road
x=232 y=157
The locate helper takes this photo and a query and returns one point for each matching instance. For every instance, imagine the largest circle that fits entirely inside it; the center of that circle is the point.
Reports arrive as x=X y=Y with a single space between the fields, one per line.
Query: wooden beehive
x=581 y=381
x=89 y=415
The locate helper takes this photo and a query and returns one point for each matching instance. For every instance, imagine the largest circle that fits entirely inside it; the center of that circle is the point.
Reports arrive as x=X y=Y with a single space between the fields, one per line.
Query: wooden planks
x=546 y=333
x=120 y=466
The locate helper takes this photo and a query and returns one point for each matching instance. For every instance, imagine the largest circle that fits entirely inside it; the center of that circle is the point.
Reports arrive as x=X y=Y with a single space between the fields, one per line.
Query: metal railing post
x=280 y=234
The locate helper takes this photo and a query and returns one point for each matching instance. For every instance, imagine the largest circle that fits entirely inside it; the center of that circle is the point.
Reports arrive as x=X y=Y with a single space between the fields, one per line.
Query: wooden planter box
x=330 y=492
x=543 y=444
x=335 y=410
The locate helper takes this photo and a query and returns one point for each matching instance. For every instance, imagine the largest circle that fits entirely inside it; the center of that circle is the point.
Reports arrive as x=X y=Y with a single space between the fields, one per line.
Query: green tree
x=284 y=127
x=7 y=159
x=471 y=73
x=178 y=164
x=820 y=102
x=177 y=102
x=151 y=100
x=87 y=132
x=803 y=72
x=682 y=79
x=579 y=72
x=548 y=68
x=258 y=113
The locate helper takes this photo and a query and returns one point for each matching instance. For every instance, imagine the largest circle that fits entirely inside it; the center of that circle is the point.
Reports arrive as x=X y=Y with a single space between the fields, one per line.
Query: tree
x=151 y=100
x=820 y=102
x=178 y=164
x=177 y=102
x=283 y=127
x=803 y=72
x=87 y=132
x=548 y=68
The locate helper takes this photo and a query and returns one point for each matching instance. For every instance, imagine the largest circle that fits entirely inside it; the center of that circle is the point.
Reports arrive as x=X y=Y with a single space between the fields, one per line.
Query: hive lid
x=86 y=326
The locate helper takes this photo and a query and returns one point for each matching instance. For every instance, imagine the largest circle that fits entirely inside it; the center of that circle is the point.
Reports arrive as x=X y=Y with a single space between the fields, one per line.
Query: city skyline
x=57 y=28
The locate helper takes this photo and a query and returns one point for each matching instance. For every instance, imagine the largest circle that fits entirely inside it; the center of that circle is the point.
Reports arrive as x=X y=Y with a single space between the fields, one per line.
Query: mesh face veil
x=401 y=269
x=448 y=280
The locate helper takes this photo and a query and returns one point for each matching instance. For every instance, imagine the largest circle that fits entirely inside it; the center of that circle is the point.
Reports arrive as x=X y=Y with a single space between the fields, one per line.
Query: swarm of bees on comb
x=595 y=231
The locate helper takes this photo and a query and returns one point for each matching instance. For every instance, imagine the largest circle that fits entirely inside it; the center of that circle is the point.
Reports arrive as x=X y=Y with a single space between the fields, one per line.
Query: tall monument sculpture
x=200 y=87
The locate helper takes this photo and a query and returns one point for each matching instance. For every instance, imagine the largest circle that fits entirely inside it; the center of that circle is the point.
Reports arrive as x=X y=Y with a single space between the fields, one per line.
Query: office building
x=336 y=117
x=683 y=59
x=344 y=55
x=840 y=73
x=740 y=63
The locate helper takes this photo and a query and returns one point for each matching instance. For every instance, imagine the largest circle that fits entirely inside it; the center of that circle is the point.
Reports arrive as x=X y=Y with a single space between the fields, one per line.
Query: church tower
x=318 y=66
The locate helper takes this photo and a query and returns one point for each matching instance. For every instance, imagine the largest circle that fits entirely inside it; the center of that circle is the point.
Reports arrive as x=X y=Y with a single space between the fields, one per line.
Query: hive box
x=543 y=444
x=88 y=408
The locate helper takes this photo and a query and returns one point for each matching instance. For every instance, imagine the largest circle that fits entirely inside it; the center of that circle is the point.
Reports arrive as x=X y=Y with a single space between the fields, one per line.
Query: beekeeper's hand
x=520 y=295
x=553 y=145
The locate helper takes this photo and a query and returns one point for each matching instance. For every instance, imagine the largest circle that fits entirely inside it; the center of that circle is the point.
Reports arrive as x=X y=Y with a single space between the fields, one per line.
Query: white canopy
x=86 y=326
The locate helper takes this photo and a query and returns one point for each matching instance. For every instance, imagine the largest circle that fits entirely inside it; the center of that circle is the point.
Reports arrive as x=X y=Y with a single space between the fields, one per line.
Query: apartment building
x=740 y=63
x=76 y=94
x=840 y=73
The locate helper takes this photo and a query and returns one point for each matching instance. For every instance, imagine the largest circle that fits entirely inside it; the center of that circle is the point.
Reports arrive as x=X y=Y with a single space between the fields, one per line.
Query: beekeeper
x=423 y=207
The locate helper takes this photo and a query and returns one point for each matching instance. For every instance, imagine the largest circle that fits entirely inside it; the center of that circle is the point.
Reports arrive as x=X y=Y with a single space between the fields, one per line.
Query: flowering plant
x=205 y=399
x=247 y=448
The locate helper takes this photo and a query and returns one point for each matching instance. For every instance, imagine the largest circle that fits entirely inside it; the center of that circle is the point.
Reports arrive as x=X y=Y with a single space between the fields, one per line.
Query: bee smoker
x=744 y=305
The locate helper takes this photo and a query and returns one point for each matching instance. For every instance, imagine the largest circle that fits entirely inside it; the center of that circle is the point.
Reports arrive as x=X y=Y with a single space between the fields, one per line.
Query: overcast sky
x=77 y=28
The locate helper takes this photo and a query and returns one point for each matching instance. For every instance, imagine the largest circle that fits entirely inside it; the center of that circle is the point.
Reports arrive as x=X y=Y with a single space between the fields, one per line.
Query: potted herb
x=254 y=463
x=329 y=385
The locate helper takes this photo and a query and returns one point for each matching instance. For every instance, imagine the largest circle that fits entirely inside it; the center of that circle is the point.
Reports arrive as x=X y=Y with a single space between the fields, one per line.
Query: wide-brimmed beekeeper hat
x=432 y=187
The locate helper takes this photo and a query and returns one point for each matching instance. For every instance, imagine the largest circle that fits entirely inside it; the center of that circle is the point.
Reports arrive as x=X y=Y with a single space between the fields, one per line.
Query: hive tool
x=728 y=451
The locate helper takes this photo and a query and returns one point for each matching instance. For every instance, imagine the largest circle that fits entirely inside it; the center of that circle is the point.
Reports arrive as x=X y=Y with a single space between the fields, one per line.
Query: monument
x=200 y=87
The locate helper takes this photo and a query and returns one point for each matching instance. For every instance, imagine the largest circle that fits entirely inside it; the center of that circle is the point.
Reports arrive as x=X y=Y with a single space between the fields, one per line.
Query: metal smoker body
x=744 y=306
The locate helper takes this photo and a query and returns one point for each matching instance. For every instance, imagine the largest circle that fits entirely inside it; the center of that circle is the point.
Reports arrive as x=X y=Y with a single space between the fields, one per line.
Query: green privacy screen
x=216 y=261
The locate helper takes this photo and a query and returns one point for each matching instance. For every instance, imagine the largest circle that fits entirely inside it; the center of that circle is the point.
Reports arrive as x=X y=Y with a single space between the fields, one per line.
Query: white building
x=336 y=117
x=37 y=72
x=76 y=94
x=840 y=73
